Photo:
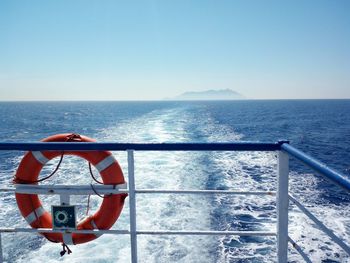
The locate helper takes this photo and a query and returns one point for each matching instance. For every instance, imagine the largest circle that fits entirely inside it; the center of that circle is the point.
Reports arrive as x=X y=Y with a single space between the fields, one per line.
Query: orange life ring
x=31 y=207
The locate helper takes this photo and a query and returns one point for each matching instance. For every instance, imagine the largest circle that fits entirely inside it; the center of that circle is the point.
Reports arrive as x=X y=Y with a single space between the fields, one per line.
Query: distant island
x=223 y=94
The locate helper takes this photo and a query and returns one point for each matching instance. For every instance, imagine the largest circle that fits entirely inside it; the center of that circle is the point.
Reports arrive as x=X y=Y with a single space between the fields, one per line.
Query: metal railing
x=282 y=196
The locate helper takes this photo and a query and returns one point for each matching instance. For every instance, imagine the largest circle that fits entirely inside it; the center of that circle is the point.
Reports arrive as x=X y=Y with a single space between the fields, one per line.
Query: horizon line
x=171 y=100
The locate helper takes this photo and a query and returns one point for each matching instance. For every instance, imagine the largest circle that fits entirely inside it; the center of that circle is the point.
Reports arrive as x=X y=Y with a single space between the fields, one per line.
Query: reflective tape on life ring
x=93 y=224
x=105 y=163
x=30 y=205
x=40 y=157
x=35 y=215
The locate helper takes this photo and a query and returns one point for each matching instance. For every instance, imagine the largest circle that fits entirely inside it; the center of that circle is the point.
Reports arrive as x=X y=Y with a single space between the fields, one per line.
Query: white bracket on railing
x=64 y=199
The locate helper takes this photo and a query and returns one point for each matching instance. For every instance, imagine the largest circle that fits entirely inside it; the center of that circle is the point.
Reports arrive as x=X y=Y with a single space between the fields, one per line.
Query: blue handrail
x=319 y=167
x=84 y=146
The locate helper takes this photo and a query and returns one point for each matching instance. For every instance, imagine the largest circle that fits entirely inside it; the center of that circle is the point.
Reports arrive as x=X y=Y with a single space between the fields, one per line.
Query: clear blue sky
x=116 y=50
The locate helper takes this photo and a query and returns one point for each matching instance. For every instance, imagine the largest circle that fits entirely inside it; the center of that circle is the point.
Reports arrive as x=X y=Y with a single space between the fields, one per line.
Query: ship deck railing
x=282 y=195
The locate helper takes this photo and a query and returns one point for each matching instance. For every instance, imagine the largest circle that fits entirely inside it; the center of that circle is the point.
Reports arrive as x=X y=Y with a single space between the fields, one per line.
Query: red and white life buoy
x=31 y=207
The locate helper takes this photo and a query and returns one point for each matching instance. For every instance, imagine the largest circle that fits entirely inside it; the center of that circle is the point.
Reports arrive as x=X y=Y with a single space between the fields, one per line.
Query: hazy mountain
x=224 y=94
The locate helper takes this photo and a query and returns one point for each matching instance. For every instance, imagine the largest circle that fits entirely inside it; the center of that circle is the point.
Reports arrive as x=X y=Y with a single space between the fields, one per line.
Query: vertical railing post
x=1 y=256
x=282 y=207
x=132 y=206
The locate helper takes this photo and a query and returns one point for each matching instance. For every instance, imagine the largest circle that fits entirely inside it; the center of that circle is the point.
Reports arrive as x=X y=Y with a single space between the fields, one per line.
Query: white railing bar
x=50 y=230
x=282 y=207
x=140 y=232
x=300 y=251
x=70 y=189
x=169 y=191
x=321 y=226
x=109 y=189
x=132 y=205
x=206 y=233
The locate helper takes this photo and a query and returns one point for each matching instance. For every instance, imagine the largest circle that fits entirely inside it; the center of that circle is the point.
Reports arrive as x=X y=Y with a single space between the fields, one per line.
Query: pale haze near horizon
x=150 y=50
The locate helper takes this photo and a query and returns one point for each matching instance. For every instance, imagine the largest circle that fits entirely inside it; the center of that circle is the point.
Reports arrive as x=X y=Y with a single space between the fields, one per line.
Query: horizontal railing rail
x=105 y=146
x=139 y=232
x=285 y=150
x=118 y=189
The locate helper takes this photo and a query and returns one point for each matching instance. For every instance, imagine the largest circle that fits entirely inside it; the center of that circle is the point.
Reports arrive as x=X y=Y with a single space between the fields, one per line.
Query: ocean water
x=319 y=127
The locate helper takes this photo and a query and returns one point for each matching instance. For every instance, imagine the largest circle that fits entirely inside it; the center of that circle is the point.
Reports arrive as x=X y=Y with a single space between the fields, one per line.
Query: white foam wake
x=173 y=170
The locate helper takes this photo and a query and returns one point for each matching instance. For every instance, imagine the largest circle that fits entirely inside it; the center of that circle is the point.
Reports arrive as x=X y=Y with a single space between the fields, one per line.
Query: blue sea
x=320 y=128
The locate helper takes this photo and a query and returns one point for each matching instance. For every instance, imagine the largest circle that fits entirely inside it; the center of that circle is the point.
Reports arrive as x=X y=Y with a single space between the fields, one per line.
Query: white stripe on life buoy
x=40 y=157
x=106 y=162
x=35 y=215
x=93 y=224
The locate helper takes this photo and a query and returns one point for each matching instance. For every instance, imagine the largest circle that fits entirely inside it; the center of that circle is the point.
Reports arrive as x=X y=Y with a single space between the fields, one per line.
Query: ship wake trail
x=153 y=170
